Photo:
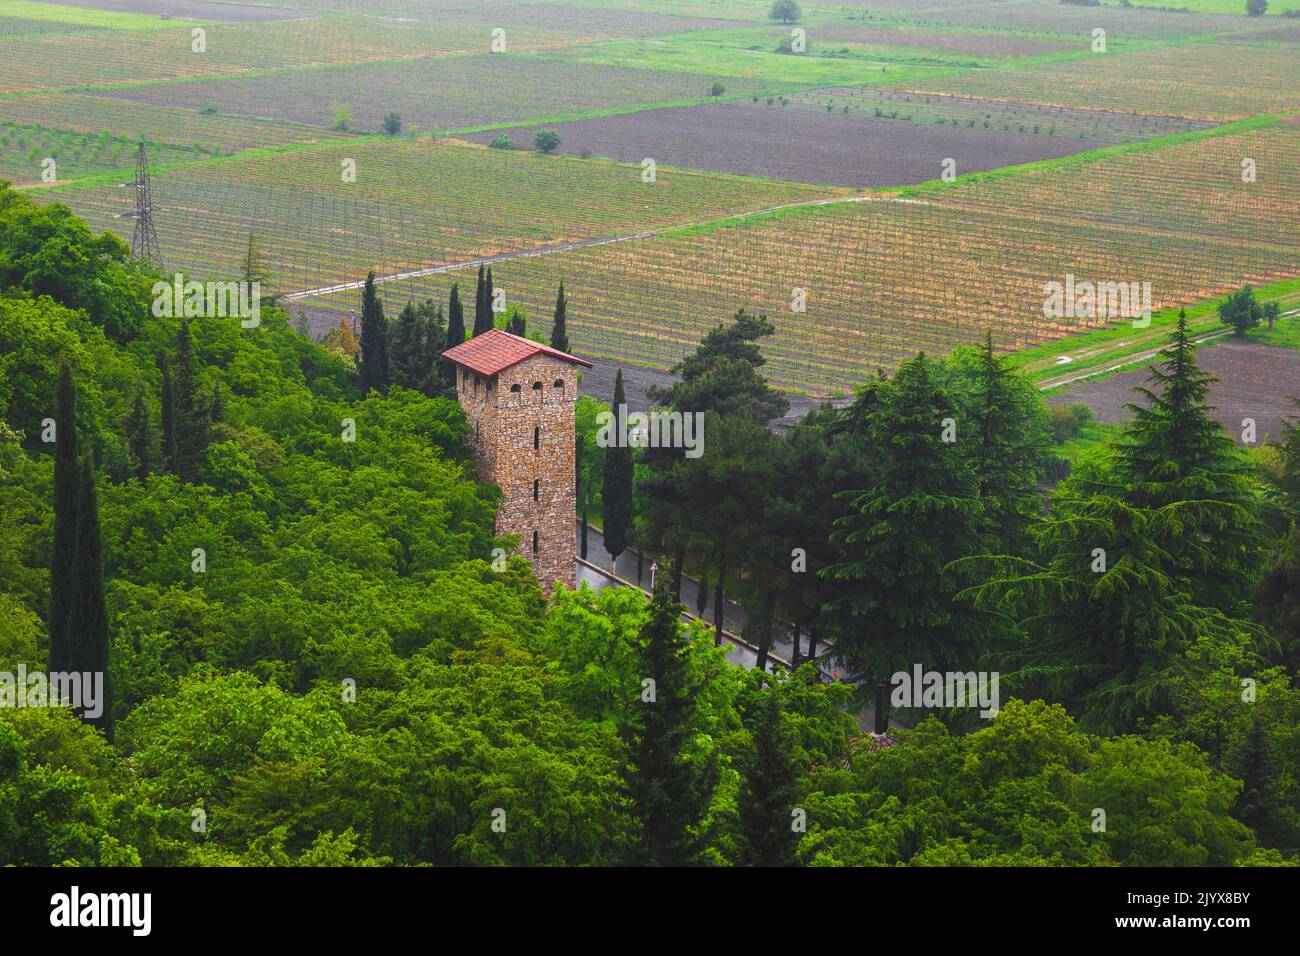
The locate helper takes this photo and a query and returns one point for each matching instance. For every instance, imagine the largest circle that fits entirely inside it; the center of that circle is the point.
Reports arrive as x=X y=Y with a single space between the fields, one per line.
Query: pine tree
x=88 y=617
x=375 y=371
x=140 y=436
x=616 y=492
x=559 y=333
x=769 y=789
x=1006 y=444
x=63 y=553
x=168 y=415
x=921 y=512
x=670 y=789
x=189 y=418
x=1174 y=456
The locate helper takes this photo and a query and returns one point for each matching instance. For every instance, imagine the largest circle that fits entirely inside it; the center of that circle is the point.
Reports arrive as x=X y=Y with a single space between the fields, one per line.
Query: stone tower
x=518 y=396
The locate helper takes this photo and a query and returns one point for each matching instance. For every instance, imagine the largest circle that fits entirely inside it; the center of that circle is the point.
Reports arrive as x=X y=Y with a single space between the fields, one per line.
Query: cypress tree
x=670 y=789
x=375 y=371
x=140 y=436
x=518 y=324
x=455 y=336
x=217 y=410
x=88 y=617
x=489 y=295
x=63 y=554
x=580 y=493
x=483 y=303
x=168 y=417
x=455 y=319
x=616 y=492
x=189 y=424
x=559 y=334
x=769 y=788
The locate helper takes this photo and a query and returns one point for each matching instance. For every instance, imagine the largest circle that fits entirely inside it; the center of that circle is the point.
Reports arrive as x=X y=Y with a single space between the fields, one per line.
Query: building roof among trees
x=495 y=351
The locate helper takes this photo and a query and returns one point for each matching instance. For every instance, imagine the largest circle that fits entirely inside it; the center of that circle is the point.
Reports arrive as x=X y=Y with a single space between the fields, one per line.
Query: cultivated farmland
x=932 y=271
x=1211 y=81
x=849 y=137
x=415 y=203
x=437 y=93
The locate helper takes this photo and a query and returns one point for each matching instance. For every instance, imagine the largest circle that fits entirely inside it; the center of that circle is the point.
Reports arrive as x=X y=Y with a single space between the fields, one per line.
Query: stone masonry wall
x=507 y=423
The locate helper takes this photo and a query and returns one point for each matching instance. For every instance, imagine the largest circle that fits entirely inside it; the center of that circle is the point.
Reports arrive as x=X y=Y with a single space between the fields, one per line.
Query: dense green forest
x=314 y=659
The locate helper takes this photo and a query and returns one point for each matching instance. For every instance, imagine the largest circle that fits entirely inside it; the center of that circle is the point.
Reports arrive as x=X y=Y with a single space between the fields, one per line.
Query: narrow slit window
x=534 y=541
x=537 y=438
x=537 y=489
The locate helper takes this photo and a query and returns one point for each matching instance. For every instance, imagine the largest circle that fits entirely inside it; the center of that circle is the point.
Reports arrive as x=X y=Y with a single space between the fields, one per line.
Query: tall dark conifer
x=168 y=417
x=559 y=332
x=375 y=371
x=1173 y=455
x=88 y=617
x=140 y=436
x=189 y=417
x=616 y=491
x=455 y=336
x=770 y=788
x=921 y=512
x=670 y=788
x=63 y=554
x=483 y=302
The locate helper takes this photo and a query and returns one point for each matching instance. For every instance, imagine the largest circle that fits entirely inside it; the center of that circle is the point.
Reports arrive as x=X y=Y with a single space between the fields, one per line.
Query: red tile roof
x=495 y=351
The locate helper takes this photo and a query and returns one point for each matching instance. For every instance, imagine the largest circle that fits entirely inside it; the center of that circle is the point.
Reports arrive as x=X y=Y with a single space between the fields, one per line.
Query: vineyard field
x=437 y=93
x=414 y=203
x=217 y=133
x=1209 y=81
x=884 y=279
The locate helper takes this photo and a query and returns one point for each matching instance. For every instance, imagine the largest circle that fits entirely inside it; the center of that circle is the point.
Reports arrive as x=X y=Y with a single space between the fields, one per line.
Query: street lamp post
x=654 y=566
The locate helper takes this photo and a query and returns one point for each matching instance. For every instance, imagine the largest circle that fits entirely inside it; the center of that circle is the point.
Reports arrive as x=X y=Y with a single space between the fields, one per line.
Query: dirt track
x=1256 y=381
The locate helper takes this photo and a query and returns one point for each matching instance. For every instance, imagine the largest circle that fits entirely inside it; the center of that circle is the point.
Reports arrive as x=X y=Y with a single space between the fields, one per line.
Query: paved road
x=734 y=618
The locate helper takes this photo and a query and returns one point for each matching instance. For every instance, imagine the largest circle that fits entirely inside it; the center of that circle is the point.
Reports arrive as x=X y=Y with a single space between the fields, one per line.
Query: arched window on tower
x=559 y=383
x=537 y=386
x=516 y=388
